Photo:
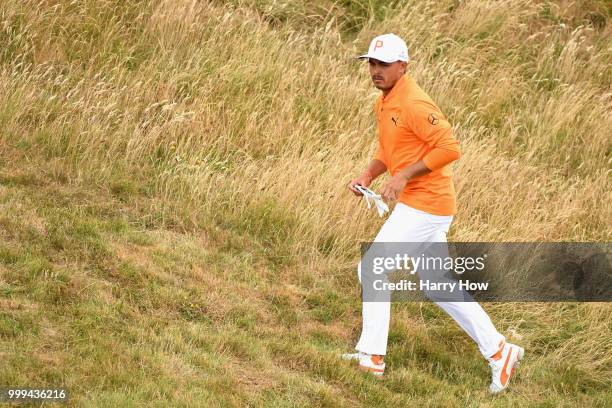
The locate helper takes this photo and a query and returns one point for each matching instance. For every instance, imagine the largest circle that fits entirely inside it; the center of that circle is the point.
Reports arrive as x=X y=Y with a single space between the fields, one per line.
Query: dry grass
x=232 y=130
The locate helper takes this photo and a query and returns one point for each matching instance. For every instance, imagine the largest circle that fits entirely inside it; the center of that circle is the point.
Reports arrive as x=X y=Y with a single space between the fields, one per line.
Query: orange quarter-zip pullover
x=411 y=127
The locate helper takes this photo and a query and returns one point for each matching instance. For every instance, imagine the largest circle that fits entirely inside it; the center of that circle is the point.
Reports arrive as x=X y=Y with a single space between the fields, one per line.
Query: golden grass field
x=175 y=227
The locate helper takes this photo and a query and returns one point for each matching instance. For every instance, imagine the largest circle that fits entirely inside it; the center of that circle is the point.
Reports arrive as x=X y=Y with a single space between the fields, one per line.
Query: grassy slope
x=158 y=244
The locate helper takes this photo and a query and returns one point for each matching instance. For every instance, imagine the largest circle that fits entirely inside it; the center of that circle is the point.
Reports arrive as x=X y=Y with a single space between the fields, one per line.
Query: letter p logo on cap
x=387 y=48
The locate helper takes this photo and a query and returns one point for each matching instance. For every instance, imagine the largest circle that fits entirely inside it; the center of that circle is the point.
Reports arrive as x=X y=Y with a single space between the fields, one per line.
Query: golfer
x=416 y=146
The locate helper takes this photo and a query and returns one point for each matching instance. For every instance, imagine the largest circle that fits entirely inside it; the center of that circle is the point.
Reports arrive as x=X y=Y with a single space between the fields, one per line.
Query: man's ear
x=404 y=65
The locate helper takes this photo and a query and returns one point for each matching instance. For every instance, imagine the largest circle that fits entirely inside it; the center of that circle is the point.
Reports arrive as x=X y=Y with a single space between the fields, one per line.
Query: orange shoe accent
x=498 y=355
x=377 y=359
x=504 y=375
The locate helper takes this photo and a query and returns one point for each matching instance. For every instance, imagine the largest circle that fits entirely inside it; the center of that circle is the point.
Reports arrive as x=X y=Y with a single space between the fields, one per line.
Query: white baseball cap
x=387 y=48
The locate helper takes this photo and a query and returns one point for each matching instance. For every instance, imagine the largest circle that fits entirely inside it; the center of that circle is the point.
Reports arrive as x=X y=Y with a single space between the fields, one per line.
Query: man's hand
x=364 y=180
x=392 y=190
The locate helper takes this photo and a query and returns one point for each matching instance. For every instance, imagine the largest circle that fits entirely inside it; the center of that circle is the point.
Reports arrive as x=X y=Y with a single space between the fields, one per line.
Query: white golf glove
x=378 y=201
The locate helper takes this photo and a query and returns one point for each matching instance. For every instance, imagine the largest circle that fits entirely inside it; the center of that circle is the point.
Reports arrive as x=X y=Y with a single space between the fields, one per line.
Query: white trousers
x=406 y=224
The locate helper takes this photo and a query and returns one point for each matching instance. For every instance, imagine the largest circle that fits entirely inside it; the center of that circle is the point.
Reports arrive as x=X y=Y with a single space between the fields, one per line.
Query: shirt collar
x=397 y=88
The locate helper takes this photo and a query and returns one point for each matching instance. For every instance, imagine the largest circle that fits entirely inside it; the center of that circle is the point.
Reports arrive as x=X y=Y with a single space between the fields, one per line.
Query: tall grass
x=219 y=109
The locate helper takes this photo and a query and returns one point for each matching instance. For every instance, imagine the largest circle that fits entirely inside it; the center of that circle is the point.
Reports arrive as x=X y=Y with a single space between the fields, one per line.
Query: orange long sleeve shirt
x=411 y=127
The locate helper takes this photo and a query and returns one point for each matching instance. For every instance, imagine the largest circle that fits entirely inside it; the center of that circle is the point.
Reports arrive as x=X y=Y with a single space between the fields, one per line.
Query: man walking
x=416 y=146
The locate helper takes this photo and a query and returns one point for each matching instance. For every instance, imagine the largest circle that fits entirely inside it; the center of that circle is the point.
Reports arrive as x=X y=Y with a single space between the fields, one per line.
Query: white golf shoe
x=372 y=364
x=368 y=363
x=503 y=363
x=352 y=356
